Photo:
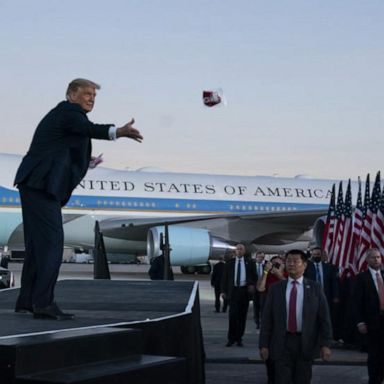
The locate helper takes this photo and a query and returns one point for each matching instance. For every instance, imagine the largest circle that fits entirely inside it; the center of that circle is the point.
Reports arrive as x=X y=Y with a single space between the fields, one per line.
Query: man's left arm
x=325 y=326
x=335 y=287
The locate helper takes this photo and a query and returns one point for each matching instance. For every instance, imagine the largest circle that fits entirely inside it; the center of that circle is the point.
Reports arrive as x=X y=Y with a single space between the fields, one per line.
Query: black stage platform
x=165 y=315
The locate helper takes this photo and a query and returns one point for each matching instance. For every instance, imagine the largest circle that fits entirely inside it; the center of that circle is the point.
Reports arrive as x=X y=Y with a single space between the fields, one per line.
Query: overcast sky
x=303 y=80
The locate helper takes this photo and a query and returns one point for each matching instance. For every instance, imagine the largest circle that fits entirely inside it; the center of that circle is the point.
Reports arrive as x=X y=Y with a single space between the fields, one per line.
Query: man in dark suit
x=257 y=297
x=237 y=285
x=156 y=270
x=57 y=160
x=296 y=325
x=326 y=275
x=216 y=277
x=369 y=309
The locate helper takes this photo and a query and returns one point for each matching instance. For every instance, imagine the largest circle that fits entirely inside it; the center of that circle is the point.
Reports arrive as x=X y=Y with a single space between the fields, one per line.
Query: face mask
x=316 y=259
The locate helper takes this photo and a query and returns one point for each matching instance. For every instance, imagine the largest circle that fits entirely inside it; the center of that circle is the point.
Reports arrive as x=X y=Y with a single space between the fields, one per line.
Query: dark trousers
x=375 y=346
x=292 y=368
x=238 y=309
x=44 y=241
x=257 y=308
x=217 y=300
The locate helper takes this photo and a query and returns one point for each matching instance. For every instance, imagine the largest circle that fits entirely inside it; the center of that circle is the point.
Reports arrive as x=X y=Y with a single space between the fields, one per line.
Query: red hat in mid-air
x=212 y=98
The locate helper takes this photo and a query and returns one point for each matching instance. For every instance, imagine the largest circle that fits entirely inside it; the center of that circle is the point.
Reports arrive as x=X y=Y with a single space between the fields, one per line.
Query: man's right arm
x=129 y=131
x=358 y=306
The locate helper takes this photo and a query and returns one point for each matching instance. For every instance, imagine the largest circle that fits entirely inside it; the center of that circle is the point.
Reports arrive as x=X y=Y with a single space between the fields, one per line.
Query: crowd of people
x=301 y=308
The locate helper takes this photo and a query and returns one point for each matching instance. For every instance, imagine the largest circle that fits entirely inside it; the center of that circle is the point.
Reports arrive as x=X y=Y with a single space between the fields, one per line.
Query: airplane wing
x=230 y=226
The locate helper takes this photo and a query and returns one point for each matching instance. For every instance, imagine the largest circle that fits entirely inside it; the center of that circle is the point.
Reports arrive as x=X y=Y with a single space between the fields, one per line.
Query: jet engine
x=189 y=246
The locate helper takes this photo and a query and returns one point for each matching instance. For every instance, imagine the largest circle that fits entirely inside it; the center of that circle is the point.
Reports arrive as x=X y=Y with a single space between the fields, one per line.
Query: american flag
x=336 y=242
x=377 y=229
x=329 y=224
x=356 y=232
x=365 y=238
x=346 y=235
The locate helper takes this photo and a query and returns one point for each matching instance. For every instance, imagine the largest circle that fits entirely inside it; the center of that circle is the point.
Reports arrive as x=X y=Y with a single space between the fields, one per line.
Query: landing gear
x=192 y=269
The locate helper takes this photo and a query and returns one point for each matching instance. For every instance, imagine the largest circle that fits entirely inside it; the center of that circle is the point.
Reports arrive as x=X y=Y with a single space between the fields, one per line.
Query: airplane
x=206 y=214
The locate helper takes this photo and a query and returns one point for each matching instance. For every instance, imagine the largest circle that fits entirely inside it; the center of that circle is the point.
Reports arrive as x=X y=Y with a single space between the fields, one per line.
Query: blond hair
x=74 y=85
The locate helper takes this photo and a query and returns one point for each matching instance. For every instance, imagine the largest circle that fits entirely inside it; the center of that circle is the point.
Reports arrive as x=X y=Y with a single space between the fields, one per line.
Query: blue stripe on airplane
x=10 y=198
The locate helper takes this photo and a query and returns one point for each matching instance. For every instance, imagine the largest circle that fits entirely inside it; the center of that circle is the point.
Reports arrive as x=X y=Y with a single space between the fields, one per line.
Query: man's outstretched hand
x=129 y=131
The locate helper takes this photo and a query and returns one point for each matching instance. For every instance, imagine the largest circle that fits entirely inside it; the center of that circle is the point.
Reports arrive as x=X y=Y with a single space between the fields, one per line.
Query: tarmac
x=235 y=365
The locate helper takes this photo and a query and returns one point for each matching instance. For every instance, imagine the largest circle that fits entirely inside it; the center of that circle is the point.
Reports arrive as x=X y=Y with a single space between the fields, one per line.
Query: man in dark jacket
x=57 y=160
x=369 y=309
x=216 y=277
x=296 y=325
x=327 y=276
x=237 y=286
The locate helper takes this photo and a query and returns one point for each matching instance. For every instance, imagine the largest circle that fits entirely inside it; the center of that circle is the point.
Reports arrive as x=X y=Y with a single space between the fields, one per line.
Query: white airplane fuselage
x=107 y=195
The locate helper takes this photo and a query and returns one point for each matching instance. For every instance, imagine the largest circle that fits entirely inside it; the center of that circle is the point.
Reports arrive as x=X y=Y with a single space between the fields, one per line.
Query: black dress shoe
x=229 y=343
x=19 y=309
x=52 y=312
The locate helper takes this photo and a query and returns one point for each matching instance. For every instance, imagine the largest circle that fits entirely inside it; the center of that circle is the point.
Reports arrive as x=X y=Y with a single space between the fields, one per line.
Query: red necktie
x=292 y=323
x=380 y=289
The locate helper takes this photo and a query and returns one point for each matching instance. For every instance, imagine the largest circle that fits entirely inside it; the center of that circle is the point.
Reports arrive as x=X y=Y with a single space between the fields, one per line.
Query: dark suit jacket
x=367 y=302
x=217 y=274
x=330 y=280
x=228 y=280
x=59 y=155
x=317 y=328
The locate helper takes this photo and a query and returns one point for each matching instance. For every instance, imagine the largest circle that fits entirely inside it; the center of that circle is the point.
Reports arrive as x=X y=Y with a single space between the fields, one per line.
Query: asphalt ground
x=234 y=364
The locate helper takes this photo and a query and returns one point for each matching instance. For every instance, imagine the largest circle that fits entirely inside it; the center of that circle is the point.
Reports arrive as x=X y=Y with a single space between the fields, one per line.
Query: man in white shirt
x=296 y=325
x=238 y=284
x=57 y=160
x=369 y=307
x=257 y=304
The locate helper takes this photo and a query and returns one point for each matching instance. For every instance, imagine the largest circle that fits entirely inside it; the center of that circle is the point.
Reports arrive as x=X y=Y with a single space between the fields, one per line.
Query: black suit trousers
x=44 y=241
x=375 y=362
x=238 y=310
x=217 y=299
x=292 y=368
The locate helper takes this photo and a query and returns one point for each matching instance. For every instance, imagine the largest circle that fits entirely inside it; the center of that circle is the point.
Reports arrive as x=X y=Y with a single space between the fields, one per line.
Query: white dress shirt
x=243 y=276
x=373 y=274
